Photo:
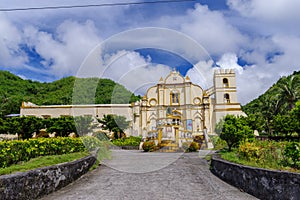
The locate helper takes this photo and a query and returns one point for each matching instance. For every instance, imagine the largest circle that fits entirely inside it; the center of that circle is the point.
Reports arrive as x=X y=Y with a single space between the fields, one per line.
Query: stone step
x=168 y=145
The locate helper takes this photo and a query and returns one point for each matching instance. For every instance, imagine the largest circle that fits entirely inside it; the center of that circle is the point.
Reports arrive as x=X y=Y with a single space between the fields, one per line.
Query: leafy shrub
x=218 y=142
x=292 y=154
x=263 y=153
x=190 y=146
x=250 y=151
x=12 y=152
x=129 y=141
x=149 y=146
x=266 y=154
x=235 y=130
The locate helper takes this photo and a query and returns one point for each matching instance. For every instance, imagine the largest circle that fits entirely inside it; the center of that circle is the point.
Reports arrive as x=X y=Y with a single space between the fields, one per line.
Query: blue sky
x=260 y=39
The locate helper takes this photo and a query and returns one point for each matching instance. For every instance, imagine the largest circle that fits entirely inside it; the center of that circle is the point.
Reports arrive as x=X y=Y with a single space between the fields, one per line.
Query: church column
x=143 y=121
x=206 y=113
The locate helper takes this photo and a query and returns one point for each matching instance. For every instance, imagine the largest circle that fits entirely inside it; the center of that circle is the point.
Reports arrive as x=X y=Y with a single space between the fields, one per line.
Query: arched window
x=175 y=98
x=225 y=82
x=226 y=98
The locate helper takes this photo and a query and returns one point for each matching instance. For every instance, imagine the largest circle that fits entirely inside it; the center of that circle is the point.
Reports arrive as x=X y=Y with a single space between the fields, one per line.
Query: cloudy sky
x=136 y=44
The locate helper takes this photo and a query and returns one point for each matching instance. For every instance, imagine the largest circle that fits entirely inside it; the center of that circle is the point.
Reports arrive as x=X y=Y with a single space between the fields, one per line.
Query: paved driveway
x=138 y=175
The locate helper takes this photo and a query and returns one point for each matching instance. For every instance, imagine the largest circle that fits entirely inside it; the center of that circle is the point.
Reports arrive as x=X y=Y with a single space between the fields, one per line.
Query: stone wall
x=261 y=183
x=36 y=183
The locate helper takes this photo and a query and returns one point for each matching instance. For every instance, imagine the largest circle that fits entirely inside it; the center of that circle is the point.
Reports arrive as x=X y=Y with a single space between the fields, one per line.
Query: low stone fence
x=261 y=183
x=36 y=183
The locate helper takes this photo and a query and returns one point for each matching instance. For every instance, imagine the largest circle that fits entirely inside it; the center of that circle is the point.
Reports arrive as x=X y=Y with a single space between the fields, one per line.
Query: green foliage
x=266 y=154
x=262 y=154
x=63 y=126
x=114 y=123
x=234 y=130
x=190 y=146
x=275 y=104
x=14 y=90
x=83 y=124
x=292 y=154
x=129 y=141
x=218 y=142
x=13 y=152
x=284 y=124
x=280 y=98
x=149 y=146
x=23 y=126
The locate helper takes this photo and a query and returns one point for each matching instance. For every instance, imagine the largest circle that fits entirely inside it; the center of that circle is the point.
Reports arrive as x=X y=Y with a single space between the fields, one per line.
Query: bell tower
x=225 y=94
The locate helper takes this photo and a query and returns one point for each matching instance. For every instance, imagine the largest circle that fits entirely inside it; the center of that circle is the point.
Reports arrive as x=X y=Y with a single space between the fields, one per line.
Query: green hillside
x=14 y=90
x=278 y=99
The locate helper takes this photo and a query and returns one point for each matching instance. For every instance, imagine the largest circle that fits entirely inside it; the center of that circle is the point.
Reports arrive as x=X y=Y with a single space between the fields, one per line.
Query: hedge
x=129 y=141
x=12 y=152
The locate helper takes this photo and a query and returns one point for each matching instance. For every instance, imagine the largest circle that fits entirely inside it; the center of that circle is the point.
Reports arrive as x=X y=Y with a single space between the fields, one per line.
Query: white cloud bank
x=64 y=48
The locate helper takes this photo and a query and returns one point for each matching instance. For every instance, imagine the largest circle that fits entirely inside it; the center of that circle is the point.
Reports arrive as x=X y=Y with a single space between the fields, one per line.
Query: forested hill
x=279 y=99
x=14 y=90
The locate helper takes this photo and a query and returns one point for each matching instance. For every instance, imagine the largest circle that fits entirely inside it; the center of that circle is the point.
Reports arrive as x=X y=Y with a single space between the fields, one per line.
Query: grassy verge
x=234 y=157
x=42 y=162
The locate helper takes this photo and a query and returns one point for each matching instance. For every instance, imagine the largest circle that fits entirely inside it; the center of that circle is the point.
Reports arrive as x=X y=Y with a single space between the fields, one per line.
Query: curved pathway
x=157 y=176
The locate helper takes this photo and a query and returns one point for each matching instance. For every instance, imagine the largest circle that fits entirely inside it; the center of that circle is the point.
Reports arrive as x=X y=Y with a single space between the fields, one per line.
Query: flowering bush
x=12 y=152
x=149 y=146
x=190 y=146
x=261 y=151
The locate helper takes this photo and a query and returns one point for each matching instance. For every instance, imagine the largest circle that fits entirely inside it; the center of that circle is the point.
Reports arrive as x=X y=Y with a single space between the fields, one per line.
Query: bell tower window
x=225 y=82
x=226 y=98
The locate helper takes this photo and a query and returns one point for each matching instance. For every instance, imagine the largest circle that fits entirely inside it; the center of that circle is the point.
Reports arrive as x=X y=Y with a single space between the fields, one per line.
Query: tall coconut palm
x=289 y=91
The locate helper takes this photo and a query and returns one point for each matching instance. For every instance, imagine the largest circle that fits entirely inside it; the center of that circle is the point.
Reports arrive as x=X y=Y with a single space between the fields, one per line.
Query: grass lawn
x=42 y=162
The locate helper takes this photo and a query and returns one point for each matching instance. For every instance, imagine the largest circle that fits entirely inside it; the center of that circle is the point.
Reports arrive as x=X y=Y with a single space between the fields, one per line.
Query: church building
x=175 y=109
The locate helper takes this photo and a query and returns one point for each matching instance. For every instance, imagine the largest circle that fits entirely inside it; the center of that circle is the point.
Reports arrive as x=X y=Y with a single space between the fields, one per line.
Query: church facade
x=175 y=109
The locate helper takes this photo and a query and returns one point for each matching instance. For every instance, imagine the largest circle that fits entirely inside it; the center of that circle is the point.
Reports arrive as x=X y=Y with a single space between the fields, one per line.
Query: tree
x=295 y=114
x=289 y=92
x=235 y=129
x=24 y=126
x=83 y=124
x=114 y=123
x=63 y=126
x=270 y=106
x=255 y=121
x=284 y=124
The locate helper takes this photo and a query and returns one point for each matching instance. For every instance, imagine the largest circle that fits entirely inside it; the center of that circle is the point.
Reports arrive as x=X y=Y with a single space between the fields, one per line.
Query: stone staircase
x=168 y=146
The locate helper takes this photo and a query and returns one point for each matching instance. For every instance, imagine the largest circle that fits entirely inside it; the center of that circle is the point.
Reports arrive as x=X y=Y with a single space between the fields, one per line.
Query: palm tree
x=289 y=91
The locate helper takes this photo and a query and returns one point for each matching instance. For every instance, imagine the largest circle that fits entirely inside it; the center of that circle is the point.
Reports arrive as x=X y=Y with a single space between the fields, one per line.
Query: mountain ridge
x=14 y=90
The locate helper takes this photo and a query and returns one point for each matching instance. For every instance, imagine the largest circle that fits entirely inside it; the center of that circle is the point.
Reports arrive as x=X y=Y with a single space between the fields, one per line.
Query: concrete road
x=137 y=175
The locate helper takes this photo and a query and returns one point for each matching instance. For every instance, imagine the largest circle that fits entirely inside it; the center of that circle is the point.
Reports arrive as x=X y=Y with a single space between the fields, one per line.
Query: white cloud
x=11 y=55
x=63 y=51
x=202 y=74
x=211 y=30
x=229 y=61
x=64 y=43
x=276 y=10
x=129 y=68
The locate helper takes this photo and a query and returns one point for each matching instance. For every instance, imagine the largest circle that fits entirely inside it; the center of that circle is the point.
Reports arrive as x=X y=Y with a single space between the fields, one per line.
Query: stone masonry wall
x=36 y=183
x=261 y=183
